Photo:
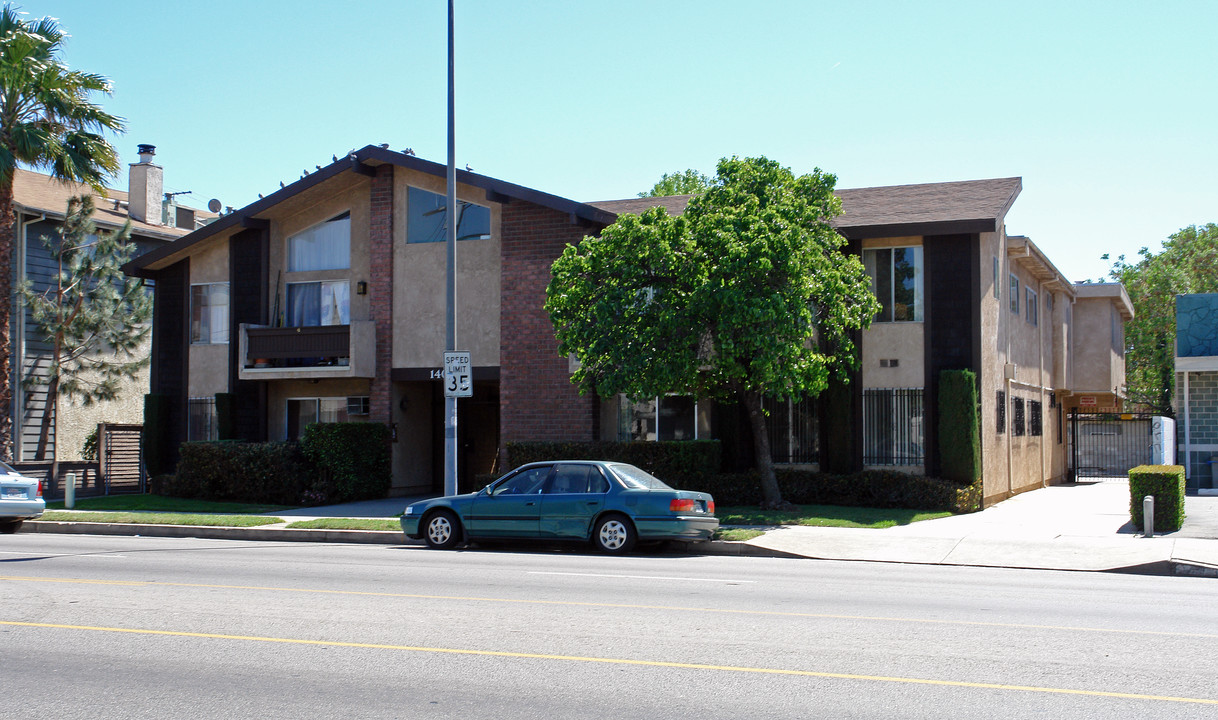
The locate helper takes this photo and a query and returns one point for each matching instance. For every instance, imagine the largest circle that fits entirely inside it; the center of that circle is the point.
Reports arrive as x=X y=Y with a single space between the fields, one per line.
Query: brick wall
x=380 y=289
x=536 y=398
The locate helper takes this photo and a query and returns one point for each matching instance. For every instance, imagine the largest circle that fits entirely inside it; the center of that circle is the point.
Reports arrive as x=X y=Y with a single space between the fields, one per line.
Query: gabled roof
x=895 y=210
x=363 y=161
x=42 y=194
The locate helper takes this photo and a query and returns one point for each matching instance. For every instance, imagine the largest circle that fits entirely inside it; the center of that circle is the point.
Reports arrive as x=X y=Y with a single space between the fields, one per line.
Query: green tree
x=93 y=317
x=690 y=182
x=48 y=122
x=746 y=295
x=1188 y=263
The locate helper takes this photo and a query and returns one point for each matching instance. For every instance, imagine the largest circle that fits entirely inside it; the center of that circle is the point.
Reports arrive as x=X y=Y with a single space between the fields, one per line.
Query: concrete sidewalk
x=1083 y=527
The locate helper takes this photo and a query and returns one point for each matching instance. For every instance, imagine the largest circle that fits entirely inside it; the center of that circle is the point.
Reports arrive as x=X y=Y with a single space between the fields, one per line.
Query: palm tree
x=47 y=122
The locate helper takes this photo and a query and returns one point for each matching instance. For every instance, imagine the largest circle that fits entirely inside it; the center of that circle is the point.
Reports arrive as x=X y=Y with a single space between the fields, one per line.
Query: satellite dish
x=214 y=205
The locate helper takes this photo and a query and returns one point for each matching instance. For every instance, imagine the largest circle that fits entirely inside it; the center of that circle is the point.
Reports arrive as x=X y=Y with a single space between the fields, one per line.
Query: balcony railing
x=270 y=353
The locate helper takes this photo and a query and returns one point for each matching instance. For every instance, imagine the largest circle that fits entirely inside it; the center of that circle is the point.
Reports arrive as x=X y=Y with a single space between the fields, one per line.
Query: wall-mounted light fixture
x=361 y=287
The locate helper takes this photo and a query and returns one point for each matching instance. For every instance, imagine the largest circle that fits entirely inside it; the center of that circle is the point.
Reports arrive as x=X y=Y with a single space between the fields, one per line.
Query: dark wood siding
x=40 y=270
x=953 y=320
x=171 y=347
x=248 y=270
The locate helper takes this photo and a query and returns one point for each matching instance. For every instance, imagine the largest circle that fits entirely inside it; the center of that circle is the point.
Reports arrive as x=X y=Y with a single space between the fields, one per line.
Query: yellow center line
x=622 y=661
x=619 y=606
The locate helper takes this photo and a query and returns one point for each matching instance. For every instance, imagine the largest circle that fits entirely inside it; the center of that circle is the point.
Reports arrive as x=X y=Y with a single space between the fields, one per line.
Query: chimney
x=145 y=183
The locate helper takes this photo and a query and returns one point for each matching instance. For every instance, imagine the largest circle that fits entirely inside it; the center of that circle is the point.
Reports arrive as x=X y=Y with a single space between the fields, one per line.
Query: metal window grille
x=1035 y=418
x=1001 y=414
x=1017 y=424
x=793 y=429
x=894 y=426
x=202 y=423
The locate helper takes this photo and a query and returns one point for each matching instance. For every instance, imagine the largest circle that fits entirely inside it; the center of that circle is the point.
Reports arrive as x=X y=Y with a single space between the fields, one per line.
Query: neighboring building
x=325 y=301
x=1197 y=388
x=40 y=202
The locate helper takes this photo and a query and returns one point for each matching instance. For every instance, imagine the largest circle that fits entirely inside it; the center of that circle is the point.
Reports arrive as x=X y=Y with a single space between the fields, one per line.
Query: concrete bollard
x=69 y=491
x=1148 y=516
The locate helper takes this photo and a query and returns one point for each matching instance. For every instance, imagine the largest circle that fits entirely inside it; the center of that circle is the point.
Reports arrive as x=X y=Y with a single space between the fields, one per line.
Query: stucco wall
x=209 y=363
x=419 y=308
x=278 y=394
x=1096 y=362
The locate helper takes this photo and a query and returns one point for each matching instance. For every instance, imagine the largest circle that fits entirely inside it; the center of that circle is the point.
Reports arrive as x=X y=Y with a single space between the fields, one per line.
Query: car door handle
x=594 y=503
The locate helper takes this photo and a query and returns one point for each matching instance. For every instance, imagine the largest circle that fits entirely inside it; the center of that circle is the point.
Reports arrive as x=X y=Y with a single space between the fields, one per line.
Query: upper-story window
x=319 y=303
x=427 y=218
x=1014 y=294
x=1032 y=307
x=209 y=314
x=896 y=280
x=325 y=246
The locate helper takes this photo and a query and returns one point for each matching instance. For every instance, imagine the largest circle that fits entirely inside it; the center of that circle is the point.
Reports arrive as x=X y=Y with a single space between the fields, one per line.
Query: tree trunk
x=49 y=410
x=771 y=496
x=8 y=231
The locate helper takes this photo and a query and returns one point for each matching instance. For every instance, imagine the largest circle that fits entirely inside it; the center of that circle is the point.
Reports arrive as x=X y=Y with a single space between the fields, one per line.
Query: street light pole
x=450 y=294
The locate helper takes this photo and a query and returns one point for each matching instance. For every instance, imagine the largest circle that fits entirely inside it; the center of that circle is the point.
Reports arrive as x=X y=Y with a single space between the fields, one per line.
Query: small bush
x=352 y=461
x=273 y=473
x=1166 y=484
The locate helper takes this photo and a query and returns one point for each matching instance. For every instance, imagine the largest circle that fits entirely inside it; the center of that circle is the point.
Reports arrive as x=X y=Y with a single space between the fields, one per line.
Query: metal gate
x=120 y=463
x=1108 y=445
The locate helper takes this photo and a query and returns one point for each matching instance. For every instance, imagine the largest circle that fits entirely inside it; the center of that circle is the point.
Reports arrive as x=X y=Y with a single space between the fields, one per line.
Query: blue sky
x=1107 y=110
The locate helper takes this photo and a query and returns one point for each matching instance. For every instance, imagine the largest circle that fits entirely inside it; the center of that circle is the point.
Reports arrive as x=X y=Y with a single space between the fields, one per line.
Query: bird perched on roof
x=280 y=183
x=468 y=168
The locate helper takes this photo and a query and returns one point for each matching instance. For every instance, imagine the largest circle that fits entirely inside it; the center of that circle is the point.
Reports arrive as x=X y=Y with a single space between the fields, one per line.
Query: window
x=1035 y=418
x=319 y=303
x=1118 y=334
x=427 y=218
x=201 y=422
x=209 y=314
x=997 y=290
x=896 y=280
x=1049 y=303
x=526 y=482
x=1017 y=424
x=1001 y=413
x=577 y=479
x=793 y=429
x=1014 y=296
x=303 y=412
x=893 y=421
x=326 y=246
x=1033 y=310
x=672 y=417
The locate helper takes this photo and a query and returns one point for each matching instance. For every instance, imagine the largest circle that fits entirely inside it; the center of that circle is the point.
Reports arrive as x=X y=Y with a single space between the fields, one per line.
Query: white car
x=20 y=499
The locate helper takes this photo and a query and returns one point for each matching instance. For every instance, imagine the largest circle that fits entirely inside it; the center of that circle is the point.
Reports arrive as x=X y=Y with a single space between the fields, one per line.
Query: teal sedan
x=612 y=505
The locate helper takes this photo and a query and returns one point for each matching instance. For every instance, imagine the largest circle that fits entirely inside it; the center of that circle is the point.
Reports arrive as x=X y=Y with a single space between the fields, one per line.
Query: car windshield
x=633 y=477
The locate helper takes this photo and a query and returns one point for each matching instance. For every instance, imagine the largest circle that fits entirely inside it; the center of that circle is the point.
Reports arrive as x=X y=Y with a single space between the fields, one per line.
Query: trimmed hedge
x=1166 y=484
x=273 y=472
x=352 y=460
x=675 y=459
x=959 y=426
x=869 y=488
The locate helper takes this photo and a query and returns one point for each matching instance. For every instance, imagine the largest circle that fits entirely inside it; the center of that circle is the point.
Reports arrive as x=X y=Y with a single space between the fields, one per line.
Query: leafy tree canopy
x=745 y=295
x=689 y=182
x=1188 y=263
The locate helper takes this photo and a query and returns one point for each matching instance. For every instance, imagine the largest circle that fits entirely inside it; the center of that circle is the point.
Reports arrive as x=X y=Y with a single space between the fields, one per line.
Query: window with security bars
x=793 y=429
x=1035 y=418
x=1017 y=420
x=894 y=426
x=201 y=421
x=1001 y=413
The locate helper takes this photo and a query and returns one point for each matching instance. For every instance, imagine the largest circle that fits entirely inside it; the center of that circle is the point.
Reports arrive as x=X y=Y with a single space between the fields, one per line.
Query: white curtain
x=322 y=247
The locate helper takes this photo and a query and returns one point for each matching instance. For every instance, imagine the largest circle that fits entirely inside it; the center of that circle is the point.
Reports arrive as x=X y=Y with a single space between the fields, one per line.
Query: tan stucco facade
x=209 y=363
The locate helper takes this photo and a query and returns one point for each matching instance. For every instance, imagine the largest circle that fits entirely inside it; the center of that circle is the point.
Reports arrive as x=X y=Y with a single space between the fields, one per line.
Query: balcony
x=308 y=353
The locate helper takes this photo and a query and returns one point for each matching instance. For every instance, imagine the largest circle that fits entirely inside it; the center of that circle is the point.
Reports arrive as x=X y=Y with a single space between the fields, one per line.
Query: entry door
x=575 y=494
x=511 y=508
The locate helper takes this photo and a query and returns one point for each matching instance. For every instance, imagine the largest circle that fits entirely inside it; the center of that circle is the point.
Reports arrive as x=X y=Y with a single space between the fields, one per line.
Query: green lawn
x=155 y=518
x=825 y=516
x=157 y=503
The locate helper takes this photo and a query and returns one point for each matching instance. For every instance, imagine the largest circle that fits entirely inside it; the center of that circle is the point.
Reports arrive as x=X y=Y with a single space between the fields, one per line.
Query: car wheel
x=442 y=531
x=9 y=527
x=614 y=535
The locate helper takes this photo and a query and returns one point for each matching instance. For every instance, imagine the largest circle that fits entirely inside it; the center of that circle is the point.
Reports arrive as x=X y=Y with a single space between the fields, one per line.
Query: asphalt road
x=128 y=627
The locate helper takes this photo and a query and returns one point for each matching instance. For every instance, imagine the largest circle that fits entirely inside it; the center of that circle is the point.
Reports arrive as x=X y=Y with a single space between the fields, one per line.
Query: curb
x=262 y=534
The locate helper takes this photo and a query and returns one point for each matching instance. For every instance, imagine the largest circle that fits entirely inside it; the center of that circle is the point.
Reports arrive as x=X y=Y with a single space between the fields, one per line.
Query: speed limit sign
x=458 y=380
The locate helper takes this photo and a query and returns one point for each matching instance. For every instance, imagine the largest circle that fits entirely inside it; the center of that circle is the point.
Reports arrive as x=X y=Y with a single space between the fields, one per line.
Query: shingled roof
x=931 y=208
x=37 y=193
